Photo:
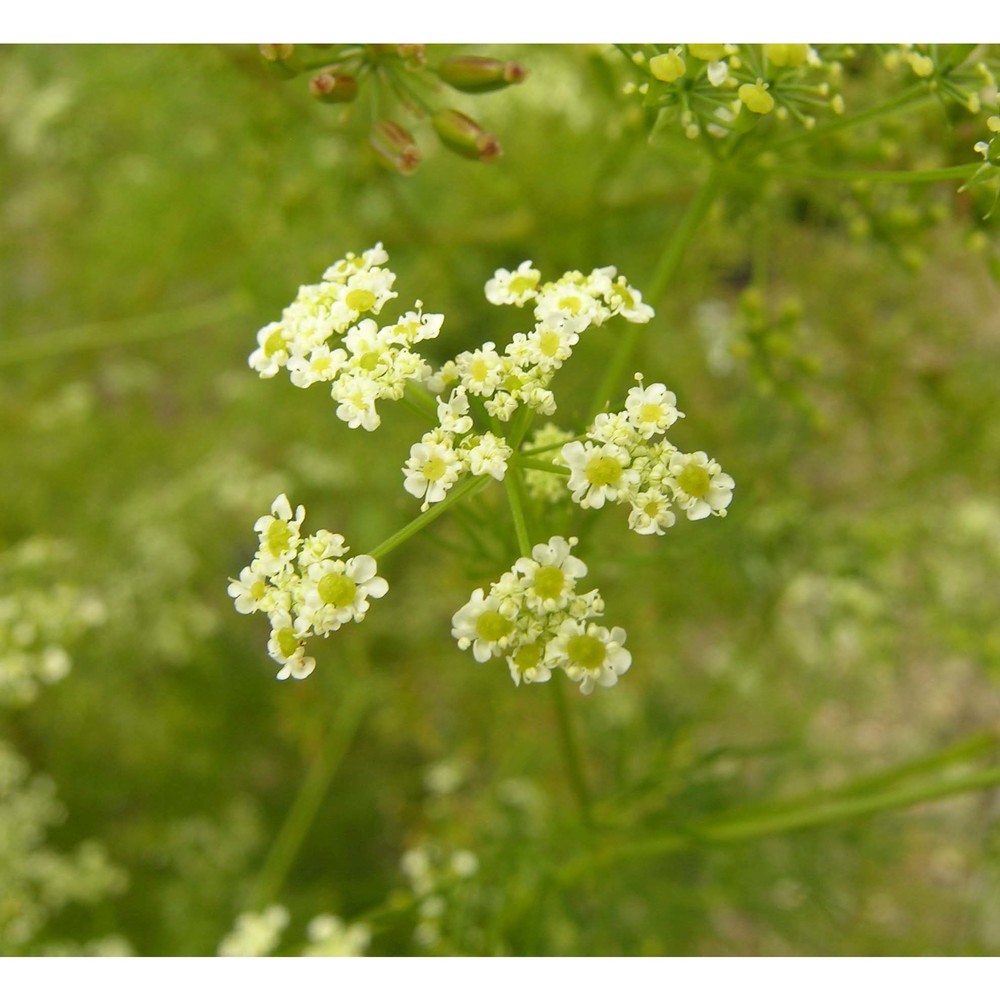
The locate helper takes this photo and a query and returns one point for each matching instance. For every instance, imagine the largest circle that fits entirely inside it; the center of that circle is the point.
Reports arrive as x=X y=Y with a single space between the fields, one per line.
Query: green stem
x=292 y=834
x=531 y=463
x=468 y=487
x=782 y=821
x=117 y=332
x=666 y=269
x=571 y=753
x=514 y=486
x=961 y=172
x=909 y=99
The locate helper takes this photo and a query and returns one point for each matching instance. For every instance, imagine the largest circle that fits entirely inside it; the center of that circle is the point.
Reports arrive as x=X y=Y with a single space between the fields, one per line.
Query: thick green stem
x=515 y=497
x=533 y=463
x=666 y=269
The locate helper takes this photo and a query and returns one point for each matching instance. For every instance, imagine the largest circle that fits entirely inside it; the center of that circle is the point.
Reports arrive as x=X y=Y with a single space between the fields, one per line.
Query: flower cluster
x=326 y=335
x=563 y=309
x=39 y=618
x=727 y=89
x=449 y=451
x=626 y=459
x=534 y=618
x=305 y=586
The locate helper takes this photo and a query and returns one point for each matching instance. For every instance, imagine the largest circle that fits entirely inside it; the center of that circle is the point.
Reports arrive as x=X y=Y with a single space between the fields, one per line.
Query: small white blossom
x=597 y=472
x=480 y=624
x=701 y=487
x=651 y=409
x=590 y=654
x=513 y=287
x=487 y=456
x=432 y=468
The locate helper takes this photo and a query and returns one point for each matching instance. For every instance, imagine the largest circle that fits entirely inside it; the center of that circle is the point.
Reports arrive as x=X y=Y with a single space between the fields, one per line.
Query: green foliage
x=804 y=671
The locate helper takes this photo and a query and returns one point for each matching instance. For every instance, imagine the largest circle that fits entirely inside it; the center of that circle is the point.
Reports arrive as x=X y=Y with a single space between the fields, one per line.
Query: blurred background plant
x=814 y=679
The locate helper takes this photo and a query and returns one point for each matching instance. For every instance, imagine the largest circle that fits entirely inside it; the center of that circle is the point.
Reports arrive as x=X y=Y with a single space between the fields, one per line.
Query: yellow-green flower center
x=479 y=370
x=369 y=360
x=549 y=343
x=287 y=643
x=275 y=342
x=337 y=589
x=492 y=626
x=603 y=470
x=434 y=469
x=571 y=304
x=522 y=283
x=527 y=657
x=360 y=299
x=258 y=589
x=549 y=582
x=278 y=535
x=650 y=413
x=586 y=651
x=695 y=481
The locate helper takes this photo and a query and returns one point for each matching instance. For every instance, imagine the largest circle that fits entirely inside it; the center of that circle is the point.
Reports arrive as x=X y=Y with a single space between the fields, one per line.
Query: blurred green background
x=828 y=652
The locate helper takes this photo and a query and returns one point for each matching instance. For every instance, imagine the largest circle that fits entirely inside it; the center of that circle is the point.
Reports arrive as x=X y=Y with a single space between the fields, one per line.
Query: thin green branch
x=118 y=332
x=666 y=269
x=781 y=820
x=571 y=753
x=288 y=842
x=468 y=487
x=960 y=172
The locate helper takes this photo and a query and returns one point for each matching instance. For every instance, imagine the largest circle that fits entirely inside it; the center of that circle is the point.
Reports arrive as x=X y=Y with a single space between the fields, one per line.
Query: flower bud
x=394 y=147
x=756 y=97
x=707 y=53
x=479 y=74
x=463 y=136
x=281 y=59
x=667 y=66
x=332 y=88
x=787 y=55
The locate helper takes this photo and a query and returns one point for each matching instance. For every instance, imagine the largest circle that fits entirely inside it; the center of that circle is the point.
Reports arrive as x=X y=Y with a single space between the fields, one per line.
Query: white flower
x=255 y=934
x=590 y=654
x=432 y=468
x=597 y=472
x=488 y=456
x=513 y=287
x=279 y=535
x=626 y=301
x=322 y=365
x=322 y=545
x=651 y=409
x=357 y=392
x=480 y=370
x=528 y=663
x=338 y=592
x=479 y=623
x=453 y=416
x=272 y=351
x=249 y=591
x=700 y=486
x=329 y=936
x=650 y=513
x=551 y=573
